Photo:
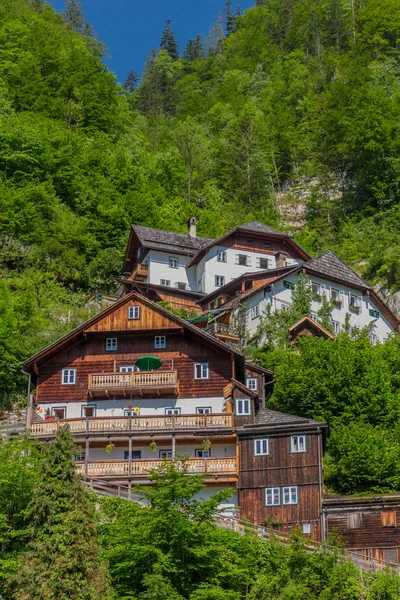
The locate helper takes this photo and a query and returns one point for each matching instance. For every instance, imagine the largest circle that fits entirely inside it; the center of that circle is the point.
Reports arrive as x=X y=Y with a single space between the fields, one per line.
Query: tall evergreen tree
x=194 y=49
x=63 y=558
x=131 y=81
x=168 y=41
x=230 y=18
x=73 y=14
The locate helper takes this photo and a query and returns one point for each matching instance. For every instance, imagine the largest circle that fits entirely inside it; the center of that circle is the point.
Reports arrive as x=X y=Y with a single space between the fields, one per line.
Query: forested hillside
x=288 y=114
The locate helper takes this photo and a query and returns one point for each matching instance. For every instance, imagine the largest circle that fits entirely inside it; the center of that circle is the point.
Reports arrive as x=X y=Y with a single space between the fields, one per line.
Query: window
x=289 y=495
x=285 y=307
x=219 y=280
x=202 y=453
x=172 y=411
x=313 y=317
x=212 y=305
x=267 y=246
x=135 y=454
x=160 y=341
x=297 y=443
x=272 y=496
x=89 y=411
x=248 y=285
x=388 y=518
x=255 y=311
x=165 y=454
x=173 y=262
x=221 y=256
x=306 y=527
x=336 y=296
x=354 y=302
x=373 y=339
x=243 y=406
x=59 y=412
x=165 y=282
x=129 y=412
x=335 y=326
x=261 y=447
x=220 y=301
x=262 y=263
x=354 y=521
x=111 y=344
x=128 y=369
x=80 y=455
x=201 y=370
x=250 y=242
x=288 y=285
x=68 y=376
x=242 y=259
x=180 y=285
x=316 y=290
x=252 y=383
x=374 y=313
x=133 y=312
x=203 y=410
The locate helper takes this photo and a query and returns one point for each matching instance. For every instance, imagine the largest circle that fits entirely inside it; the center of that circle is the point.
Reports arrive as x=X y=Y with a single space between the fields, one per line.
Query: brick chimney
x=192 y=227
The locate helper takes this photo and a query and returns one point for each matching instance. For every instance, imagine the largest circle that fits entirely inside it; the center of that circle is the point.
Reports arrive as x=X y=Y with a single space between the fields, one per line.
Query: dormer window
x=133 y=312
x=111 y=344
x=173 y=262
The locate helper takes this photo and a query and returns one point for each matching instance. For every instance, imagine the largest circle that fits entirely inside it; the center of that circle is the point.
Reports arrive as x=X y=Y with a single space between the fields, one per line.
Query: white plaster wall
x=159 y=269
x=217 y=450
x=282 y=296
x=148 y=407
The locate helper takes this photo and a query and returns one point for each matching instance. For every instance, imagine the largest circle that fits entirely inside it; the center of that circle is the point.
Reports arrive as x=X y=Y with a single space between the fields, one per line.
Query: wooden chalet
x=307 y=326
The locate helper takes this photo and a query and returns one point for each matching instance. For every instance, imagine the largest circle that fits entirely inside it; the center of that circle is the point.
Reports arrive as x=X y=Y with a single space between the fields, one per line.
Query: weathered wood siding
x=280 y=468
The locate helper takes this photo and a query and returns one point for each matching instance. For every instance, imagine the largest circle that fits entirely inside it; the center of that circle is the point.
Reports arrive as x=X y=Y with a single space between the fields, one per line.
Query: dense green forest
x=59 y=541
x=288 y=114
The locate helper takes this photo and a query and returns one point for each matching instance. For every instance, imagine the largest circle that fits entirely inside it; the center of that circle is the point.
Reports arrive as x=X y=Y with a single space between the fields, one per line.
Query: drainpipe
x=28 y=401
x=320 y=476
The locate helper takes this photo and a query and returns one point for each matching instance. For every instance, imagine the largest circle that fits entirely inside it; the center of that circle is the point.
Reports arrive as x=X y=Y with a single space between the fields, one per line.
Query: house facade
x=195 y=396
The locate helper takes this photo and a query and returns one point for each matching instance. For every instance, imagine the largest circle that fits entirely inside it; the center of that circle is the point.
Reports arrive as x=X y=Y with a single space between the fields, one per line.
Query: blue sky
x=130 y=28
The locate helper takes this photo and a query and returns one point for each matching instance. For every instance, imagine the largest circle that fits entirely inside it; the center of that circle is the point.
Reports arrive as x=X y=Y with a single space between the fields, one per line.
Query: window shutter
x=257 y=261
x=236 y=259
x=323 y=289
x=360 y=303
x=248 y=261
x=341 y=296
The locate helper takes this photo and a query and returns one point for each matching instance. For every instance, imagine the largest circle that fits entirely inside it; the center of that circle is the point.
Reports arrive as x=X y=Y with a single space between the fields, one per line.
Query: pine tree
x=230 y=18
x=168 y=41
x=63 y=558
x=194 y=49
x=130 y=82
x=73 y=15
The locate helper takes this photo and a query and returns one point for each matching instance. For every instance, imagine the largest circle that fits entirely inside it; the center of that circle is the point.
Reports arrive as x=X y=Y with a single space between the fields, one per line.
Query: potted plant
x=152 y=447
x=206 y=445
x=109 y=448
x=48 y=416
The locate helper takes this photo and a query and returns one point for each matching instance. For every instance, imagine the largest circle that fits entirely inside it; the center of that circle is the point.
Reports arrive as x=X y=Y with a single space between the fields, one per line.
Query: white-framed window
x=59 y=412
x=111 y=344
x=135 y=454
x=336 y=296
x=165 y=282
x=68 y=376
x=203 y=410
x=354 y=302
x=263 y=263
x=221 y=256
x=316 y=289
x=166 y=454
x=219 y=280
x=306 y=528
x=252 y=383
x=160 y=341
x=290 y=494
x=272 y=496
x=172 y=411
x=243 y=406
x=255 y=311
x=298 y=443
x=133 y=312
x=128 y=369
x=242 y=259
x=373 y=338
x=313 y=317
x=89 y=410
x=261 y=447
x=335 y=326
x=173 y=262
x=202 y=370
x=285 y=307
x=200 y=453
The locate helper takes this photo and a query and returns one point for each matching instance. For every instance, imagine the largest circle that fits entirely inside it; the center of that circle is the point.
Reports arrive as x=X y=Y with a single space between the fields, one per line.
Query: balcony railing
x=126 y=468
x=141 y=382
x=135 y=424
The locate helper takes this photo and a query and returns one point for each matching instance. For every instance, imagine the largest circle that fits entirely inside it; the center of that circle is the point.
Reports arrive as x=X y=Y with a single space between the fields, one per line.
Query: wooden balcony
x=140 y=273
x=126 y=425
x=137 y=468
x=223 y=332
x=139 y=384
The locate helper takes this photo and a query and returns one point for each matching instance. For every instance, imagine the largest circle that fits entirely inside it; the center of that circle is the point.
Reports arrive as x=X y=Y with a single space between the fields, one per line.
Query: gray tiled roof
x=330 y=265
x=160 y=239
x=260 y=227
x=267 y=416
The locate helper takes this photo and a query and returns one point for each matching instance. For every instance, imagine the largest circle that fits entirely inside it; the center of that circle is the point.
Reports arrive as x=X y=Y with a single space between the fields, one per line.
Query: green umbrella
x=148 y=363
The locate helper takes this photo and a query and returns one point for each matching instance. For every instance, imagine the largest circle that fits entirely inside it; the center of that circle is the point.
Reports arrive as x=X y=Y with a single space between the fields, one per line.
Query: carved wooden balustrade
x=140 y=382
x=124 y=468
x=98 y=425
